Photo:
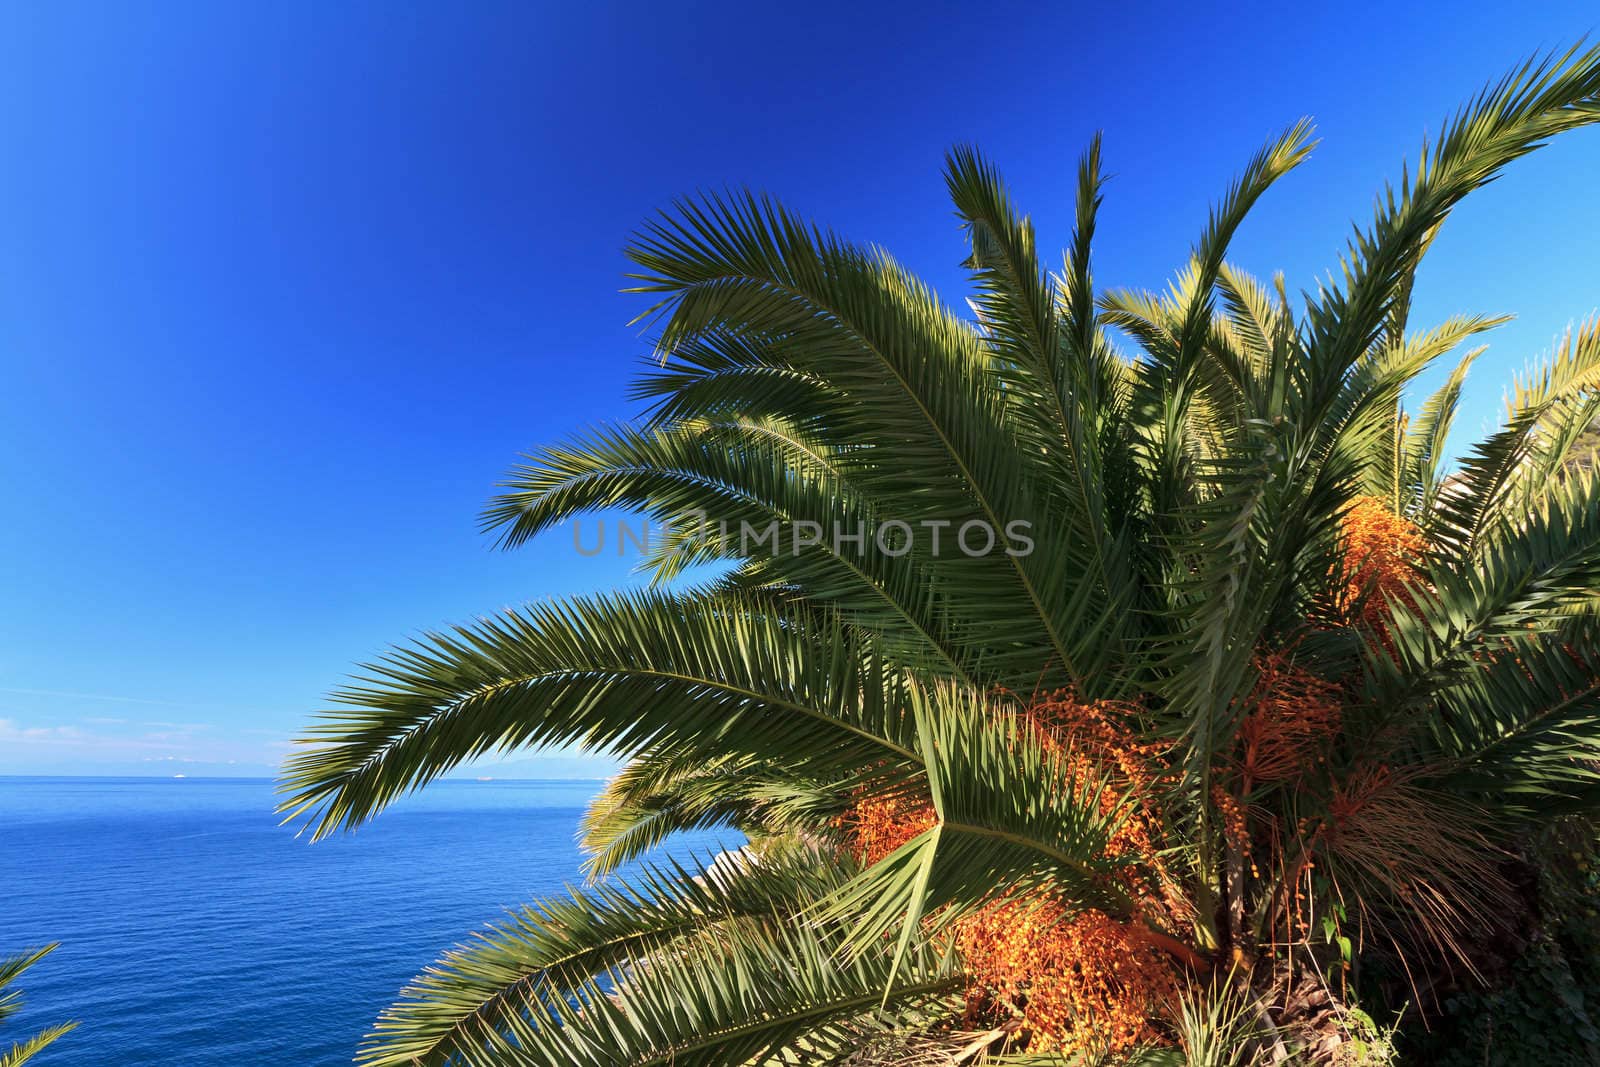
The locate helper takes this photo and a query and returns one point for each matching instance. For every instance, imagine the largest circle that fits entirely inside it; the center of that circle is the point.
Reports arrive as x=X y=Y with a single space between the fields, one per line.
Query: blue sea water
x=196 y=931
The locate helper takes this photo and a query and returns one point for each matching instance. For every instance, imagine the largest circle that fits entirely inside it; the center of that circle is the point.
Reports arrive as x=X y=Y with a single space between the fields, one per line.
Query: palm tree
x=11 y=1002
x=1244 y=693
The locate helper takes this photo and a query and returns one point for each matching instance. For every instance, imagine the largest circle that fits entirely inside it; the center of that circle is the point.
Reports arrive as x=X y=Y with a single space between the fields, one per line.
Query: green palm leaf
x=616 y=673
x=478 y=995
x=11 y=969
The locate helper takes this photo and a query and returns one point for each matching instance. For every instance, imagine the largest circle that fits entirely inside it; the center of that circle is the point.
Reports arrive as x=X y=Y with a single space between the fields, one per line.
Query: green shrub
x=1545 y=1008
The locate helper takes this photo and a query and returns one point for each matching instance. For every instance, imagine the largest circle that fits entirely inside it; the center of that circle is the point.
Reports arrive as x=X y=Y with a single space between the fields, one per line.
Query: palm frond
x=614 y=673
x=1524 y=581
x=11 y=969
x=1508 y=120
x=1502 y=476
x=463 y=1008
x=675 y=788
x=741 y=490
x=916 y=379
x=1418 y=480
x=23 y=1051
x=763 y=995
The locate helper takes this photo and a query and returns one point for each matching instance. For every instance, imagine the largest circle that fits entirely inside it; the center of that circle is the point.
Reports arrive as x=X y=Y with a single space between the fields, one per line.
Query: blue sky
x=284 y=288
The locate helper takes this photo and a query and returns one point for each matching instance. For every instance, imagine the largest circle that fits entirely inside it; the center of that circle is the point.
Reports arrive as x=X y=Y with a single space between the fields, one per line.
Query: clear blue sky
x=285 y=287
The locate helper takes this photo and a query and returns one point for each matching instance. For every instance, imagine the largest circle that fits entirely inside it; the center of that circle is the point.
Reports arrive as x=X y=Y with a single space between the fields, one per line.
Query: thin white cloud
x=64 y=694
x=11 y=730
x=26 y=747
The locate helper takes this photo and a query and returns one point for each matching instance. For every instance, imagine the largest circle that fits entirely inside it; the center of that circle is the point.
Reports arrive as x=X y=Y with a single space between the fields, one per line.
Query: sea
x=196 y=930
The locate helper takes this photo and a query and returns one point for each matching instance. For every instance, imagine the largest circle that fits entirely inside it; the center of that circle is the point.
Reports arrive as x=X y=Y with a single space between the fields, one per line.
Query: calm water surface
x=196 y=931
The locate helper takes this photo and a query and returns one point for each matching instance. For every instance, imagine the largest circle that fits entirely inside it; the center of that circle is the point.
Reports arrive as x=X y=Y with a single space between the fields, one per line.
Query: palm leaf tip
x=12 y=969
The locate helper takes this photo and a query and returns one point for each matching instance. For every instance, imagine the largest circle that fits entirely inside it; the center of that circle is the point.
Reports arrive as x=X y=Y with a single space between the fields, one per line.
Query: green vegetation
x=1269 y=722
x=11 y=1002
x=1541 y=1003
